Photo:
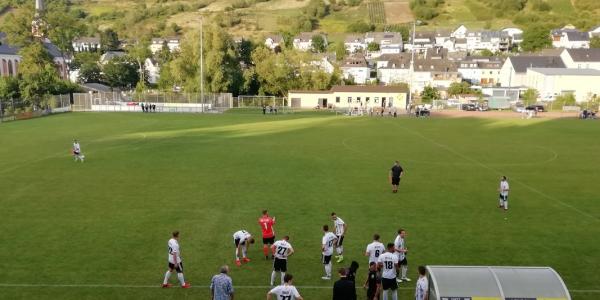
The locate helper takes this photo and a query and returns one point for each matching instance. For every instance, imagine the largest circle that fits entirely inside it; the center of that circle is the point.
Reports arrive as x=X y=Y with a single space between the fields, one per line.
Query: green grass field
x=101 y=227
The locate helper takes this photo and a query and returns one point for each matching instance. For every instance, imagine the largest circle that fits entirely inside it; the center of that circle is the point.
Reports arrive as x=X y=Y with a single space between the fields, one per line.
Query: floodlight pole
x=412 y=63
x=201 y=66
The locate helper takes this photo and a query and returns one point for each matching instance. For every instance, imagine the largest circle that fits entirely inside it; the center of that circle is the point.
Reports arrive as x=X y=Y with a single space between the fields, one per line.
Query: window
x=337 y=99
x=367 y=99
x=376 y=99
x=349 y=99
x=357 y=99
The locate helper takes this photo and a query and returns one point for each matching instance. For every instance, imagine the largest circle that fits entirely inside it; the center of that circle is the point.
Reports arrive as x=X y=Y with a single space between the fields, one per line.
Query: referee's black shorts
x=395 y=180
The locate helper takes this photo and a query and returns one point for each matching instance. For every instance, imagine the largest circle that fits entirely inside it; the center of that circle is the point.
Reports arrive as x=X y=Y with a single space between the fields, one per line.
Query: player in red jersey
x=268 y=234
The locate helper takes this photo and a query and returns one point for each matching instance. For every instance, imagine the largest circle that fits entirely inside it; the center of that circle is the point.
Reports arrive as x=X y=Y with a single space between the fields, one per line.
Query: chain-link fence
x=152 y=102
x=18 y=109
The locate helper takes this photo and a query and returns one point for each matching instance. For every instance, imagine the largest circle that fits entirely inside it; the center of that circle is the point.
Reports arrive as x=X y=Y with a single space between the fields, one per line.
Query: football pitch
x=99 y=230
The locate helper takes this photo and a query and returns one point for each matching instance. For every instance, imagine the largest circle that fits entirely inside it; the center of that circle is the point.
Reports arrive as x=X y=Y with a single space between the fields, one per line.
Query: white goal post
x=257 y=102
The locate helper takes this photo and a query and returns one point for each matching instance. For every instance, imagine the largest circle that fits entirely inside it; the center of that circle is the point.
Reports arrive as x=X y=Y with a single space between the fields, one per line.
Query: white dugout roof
x=495 y=283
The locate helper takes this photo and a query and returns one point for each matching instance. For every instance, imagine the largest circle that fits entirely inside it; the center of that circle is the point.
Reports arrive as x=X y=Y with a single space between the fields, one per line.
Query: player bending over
x=242 y=239
x=77 y=151
x=340 y=231
x=329 y=239
x=286 y=291
x=175 y=262
x=268 y=234
x=282 y=249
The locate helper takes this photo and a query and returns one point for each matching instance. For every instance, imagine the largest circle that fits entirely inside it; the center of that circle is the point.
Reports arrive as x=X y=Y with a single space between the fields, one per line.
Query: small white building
x=581 y=58
x=304 y=41
x=355 y=68
x=85 y=44
x=393 y=68
x=274 y=41
x=460 y=32
x=552 y=82
x=351 y=96
x=153 y=69
x=479 y=70
x=569 y=38
x=514 y=69
x=389 y=42
x=324 y=62
x=158 y=43
x=355 y=43
x=595 y=32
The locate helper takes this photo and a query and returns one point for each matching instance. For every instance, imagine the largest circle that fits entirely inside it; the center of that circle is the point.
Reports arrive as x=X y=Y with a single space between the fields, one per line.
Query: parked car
x=536 y=107
x=468 y=107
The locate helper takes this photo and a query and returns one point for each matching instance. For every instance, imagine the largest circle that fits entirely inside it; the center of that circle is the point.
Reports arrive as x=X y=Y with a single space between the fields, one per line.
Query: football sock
x=282 y=275
x=340 y=250
x=404 y=269
x=394 y=295
x=385 y=295
x=273 y=274
x=328 y=270
x=244 y=252
x=505 y=204
x=180 y=277
x=266 y=250
x=167 y=275
x=237 y=254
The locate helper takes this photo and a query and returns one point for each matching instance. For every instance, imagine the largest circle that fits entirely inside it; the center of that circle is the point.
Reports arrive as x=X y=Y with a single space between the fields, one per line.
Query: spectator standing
x=421 y=291
x=221 y=285
x=373 y=283
x=344 y=289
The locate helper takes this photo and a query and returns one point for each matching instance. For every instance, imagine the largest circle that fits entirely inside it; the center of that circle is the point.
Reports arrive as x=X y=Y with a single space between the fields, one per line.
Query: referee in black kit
x=395 y=174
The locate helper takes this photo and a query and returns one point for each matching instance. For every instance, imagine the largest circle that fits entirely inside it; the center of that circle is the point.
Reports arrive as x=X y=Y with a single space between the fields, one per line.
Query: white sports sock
x=404 y=269
x=180 y=277
x=244 y=250
x=167 y=276
x=395 y=295
x=385 y=295
x=282 y=275
x=505 y=204
x=340 y=250
x=273 y=274
x=328 y=270
x=237 y=254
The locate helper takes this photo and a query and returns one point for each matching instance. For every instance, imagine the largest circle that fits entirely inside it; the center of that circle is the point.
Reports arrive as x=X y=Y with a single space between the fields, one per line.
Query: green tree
x=17 y=27
x=109 y=40
x=121 y=72
x=139 y=52
x=372 y=46
x=9 y=88
x=164 y=55
x=486 y=52
x=318 y=43
x=63 y=27
x=536 y=38
x=359 y=27
x=89 y=72
x=564 y=100
x=595 y=42
x=530 y=96
x=38 y=73
x=340 y=51
x=429 y=94
x=458 y=88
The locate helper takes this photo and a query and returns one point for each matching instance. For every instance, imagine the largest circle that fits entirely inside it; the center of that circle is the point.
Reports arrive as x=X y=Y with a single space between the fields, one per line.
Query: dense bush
x=360 y=27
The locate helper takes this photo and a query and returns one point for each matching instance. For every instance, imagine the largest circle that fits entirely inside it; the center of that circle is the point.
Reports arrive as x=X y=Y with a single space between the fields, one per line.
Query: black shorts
x=403 y=262
x=326 y=259
x=178 y=268
x=269 y=241
x=503 y=198
x=395 y=180
x=389 y=284
x=75 y=152
x=237 y=242
x=340 y=240
x=280 y=265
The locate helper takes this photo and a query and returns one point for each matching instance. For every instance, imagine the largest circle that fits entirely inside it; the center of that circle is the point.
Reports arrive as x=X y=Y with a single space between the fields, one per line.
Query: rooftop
x=566 y=72
x=522 y=63
x=585 y=55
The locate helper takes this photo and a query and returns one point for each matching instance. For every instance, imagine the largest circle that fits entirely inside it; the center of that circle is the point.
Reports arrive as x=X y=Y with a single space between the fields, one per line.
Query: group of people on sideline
x=148 y=107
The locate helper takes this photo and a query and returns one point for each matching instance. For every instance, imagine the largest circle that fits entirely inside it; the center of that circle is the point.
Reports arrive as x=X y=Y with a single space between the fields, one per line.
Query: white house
x=356 y=68
x=435 y=72
x=86 y=44
x=352 y=96
x=551 y=82
x=423 y=40
x=569 y=38
x=324 y=62
x=304 y=42
x=514 y=70
x=355 y=43
x=581 y=58
x=171 y=42
x=479 y=70
x=460 y=32
x=595 y=32
x=389 y=42
x=153 y=69
x=274 y=41
x=393 y=68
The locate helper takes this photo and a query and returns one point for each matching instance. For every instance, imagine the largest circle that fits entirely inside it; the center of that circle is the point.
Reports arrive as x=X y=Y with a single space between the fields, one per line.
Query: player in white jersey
x=422 y=289
x=77 y=151
x=327 y=242
x=374 y=249
x=340 y=231
x=175 y=262
x=286 y=291
x=388 y=265
x=401 y=251
x=281 y=250
x=504 y=188
x=242 y=239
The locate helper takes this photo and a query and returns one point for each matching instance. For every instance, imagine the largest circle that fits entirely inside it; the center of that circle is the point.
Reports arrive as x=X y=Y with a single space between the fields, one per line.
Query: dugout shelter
x=495 y=283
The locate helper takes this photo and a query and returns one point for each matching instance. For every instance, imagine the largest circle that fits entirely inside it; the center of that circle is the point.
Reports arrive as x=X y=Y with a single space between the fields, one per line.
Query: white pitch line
x=128 y=286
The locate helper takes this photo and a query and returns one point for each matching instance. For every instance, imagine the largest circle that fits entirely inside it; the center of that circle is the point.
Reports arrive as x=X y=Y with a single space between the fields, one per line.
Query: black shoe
x=267 y=257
